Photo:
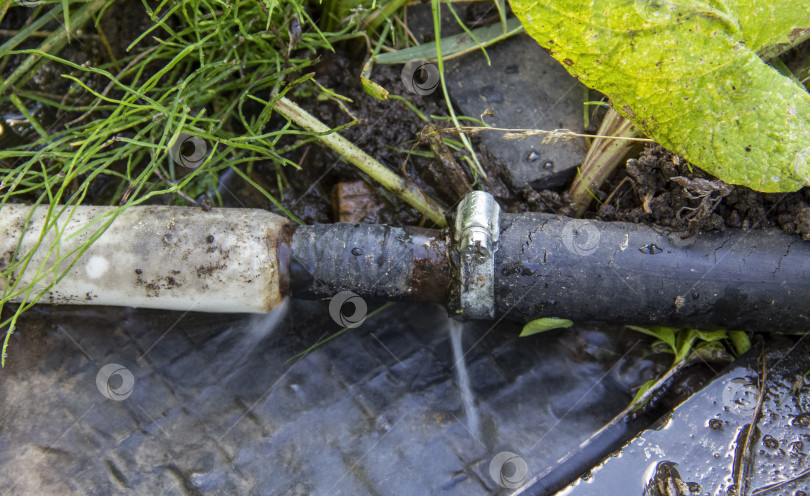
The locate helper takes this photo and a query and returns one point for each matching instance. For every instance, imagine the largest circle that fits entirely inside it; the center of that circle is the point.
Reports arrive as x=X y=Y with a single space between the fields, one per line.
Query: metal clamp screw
x=476 y=235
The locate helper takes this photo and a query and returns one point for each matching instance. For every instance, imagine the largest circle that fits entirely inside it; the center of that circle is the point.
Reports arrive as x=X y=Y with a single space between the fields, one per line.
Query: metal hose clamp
x=476 y=236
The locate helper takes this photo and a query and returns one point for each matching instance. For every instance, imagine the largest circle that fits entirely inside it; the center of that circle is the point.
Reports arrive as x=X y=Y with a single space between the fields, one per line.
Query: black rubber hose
x=374 y=261
x=553 y=266
x=586 y=271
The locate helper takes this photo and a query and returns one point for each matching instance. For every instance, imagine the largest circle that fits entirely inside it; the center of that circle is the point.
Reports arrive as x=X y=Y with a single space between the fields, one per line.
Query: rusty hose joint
x=374 y=261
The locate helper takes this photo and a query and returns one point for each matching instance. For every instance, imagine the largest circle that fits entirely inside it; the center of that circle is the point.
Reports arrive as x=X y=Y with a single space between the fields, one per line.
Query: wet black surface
x=521 y=87
x=214 y=408
x=733 y=437
x=524 y=88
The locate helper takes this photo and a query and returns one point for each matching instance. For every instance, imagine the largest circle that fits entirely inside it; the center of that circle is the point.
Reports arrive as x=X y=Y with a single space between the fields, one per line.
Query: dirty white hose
x=172 y=258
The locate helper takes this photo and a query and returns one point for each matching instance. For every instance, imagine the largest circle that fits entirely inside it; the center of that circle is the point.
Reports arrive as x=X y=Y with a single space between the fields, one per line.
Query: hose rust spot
x=283 y=251
x=431 y=267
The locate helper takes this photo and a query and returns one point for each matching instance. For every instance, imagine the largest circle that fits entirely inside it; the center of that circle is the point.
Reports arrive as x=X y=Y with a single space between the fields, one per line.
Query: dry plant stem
x=603 y=157
x=184 y=196
x=391 y=181
x=551 y=137
x=741 y=469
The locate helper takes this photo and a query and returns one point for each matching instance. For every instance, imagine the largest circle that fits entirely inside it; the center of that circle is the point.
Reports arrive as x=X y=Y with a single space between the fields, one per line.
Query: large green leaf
x=689 y=74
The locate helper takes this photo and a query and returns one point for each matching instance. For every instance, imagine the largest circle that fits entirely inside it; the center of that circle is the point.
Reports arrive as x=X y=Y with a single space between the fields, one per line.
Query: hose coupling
x=476 y=236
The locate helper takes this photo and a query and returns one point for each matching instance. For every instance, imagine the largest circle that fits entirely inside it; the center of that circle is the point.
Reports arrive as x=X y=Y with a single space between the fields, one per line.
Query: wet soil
x=388 y=131
x=645 y=192
x=119 y=26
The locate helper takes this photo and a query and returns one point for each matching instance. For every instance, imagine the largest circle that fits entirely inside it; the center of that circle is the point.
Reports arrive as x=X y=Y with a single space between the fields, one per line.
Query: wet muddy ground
x=747 y=432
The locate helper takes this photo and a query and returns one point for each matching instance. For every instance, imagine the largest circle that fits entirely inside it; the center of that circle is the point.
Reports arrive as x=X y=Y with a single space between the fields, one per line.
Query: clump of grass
x=207 y=68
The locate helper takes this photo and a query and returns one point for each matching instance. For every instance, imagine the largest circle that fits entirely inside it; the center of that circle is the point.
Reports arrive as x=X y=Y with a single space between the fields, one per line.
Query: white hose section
x=173 y=258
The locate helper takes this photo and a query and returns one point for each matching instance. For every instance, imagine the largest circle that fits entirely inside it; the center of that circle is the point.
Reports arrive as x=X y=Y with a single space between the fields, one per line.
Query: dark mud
x=645 y=192
x=119 y=26
x=388 y=131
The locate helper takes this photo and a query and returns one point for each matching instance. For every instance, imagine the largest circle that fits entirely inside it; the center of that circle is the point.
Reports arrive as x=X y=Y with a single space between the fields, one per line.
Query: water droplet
x=533 y=156
x=715 y=424
x=383 y=423
x=548 y=165
x=770 y=442
x=650 y=249
x=357 y=252
x=801 y=165
x=511 y=269
x=802 y=420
